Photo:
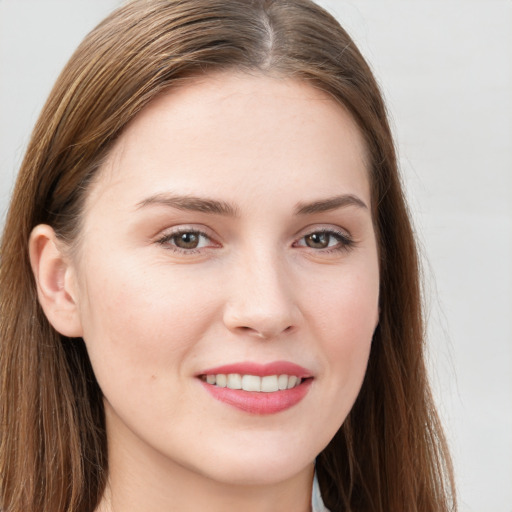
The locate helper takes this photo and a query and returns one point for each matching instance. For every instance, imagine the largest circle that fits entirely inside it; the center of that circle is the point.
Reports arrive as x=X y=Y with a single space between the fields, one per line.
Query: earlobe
x=55 y=279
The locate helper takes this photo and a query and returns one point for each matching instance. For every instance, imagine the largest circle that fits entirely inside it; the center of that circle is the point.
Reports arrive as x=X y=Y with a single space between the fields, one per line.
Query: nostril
x=250 y=330
x=264 y=333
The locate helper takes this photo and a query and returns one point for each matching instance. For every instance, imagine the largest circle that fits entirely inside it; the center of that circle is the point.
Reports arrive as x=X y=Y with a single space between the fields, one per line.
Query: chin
x=260 y=474
x=255 y=466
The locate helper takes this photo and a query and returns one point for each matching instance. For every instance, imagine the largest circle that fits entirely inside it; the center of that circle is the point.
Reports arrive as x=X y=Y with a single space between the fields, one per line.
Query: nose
x=262 y=301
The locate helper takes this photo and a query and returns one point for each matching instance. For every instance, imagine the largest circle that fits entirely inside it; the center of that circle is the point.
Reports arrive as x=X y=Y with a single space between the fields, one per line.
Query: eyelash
x=345 y=242
x=169 y=240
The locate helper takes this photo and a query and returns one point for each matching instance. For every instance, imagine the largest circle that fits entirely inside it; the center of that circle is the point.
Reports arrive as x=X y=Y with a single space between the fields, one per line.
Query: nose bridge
x=262 y=301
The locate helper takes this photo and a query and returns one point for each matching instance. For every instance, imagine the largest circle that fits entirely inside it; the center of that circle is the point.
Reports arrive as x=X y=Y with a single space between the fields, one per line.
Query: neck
x=139 y=497
x=144 y=481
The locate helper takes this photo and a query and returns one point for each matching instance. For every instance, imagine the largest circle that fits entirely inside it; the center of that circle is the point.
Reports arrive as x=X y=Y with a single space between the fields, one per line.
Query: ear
x=56 y=281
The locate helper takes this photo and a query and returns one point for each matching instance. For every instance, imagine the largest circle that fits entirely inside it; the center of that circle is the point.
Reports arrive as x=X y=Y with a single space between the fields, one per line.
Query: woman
x=209 y=283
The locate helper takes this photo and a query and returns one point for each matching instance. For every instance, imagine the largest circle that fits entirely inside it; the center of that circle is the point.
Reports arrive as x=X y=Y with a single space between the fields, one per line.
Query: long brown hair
x=390 y=453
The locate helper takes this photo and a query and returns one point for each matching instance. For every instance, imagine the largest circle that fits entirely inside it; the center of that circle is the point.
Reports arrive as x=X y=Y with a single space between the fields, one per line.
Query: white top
x=317 y=504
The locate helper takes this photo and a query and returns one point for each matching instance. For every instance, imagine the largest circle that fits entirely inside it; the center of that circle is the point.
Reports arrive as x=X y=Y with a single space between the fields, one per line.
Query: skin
x=255 y=289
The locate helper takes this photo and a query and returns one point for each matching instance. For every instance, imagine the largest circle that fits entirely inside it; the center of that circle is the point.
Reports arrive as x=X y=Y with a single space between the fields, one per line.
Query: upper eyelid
x=165 y=238
x=185 y=228
x=214 y=237
x=205 y=230
x=344 y=237
x=323 y=228
x=166 y=241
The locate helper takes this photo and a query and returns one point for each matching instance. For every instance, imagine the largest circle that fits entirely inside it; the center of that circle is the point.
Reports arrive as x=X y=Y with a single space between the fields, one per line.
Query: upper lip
x=261 y=370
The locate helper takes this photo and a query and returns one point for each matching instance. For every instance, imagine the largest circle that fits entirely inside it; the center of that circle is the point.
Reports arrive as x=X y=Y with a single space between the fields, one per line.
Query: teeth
x=251 y=383
x=267 y=384
x=282 y=381
x=292 y=381
x=234 y=381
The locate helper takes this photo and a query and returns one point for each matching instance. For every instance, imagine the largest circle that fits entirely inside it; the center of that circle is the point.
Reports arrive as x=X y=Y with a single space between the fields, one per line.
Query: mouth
x=254 y=383
x=258 y=389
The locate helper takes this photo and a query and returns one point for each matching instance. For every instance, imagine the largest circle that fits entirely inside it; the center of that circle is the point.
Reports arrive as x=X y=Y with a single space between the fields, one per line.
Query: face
x=228 y=242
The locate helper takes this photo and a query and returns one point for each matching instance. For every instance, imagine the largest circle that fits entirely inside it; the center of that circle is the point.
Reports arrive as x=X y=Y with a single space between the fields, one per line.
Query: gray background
x=446 y=71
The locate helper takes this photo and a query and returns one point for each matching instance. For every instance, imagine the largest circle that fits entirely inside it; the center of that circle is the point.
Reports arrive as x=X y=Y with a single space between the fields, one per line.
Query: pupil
x=318 y=240
x=187 y=240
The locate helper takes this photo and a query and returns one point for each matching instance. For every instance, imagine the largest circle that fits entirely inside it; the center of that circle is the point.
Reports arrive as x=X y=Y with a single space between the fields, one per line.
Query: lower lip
x=255 y=402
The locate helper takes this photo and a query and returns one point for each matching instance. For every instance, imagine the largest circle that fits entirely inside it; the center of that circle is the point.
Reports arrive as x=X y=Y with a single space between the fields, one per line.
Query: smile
x=258 y=389
x=267 y=384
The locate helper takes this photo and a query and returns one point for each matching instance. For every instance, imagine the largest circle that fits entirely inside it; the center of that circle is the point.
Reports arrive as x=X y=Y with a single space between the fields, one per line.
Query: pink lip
x=261 y=370
x=260 y=403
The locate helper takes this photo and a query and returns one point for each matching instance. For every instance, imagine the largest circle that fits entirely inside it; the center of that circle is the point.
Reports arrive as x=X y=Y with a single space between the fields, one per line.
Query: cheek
x=349 y=343
x=346 y=317
x=141 y=318
x=349 y=305
x=140 y=332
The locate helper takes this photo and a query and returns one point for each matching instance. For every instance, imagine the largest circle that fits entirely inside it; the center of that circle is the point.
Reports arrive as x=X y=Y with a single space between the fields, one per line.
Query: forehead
x=235 y=133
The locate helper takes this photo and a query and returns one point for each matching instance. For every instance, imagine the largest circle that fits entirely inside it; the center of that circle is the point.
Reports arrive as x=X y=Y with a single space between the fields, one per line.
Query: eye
x=326 y=240
x=319 y=240
x=186 y=240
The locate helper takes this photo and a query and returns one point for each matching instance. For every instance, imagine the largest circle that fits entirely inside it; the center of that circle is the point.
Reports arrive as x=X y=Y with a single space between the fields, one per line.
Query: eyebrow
x=329 y=204
x=191 y=203
x=207 y=205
